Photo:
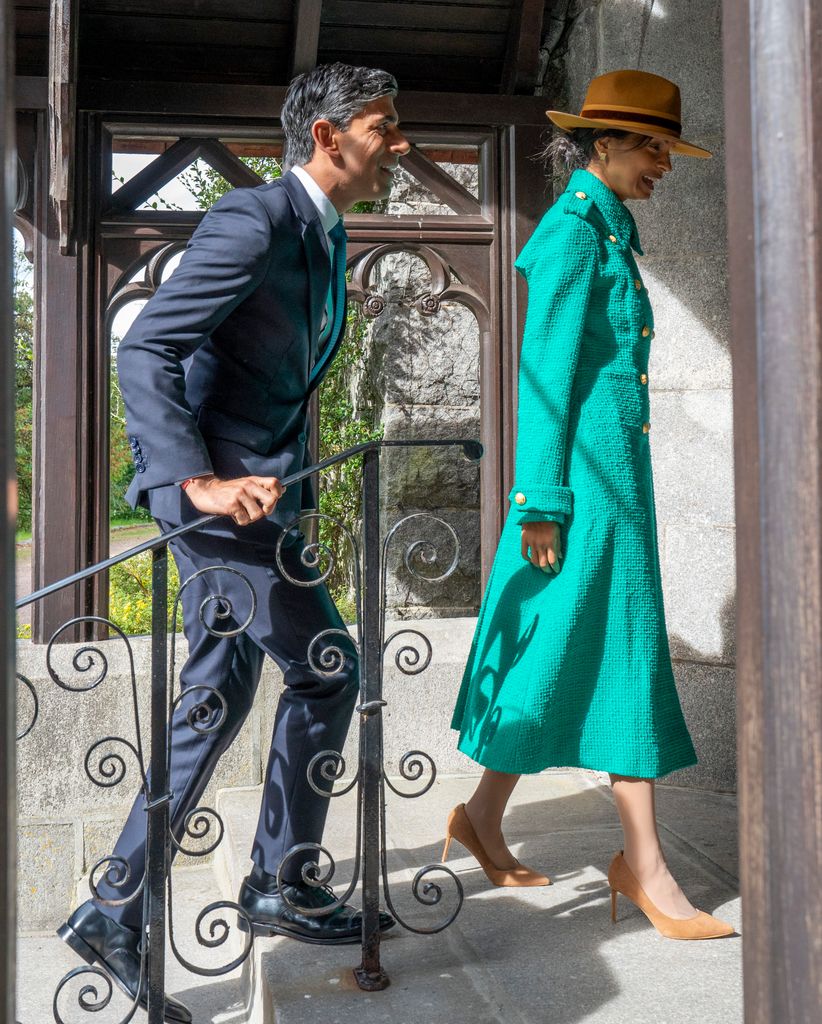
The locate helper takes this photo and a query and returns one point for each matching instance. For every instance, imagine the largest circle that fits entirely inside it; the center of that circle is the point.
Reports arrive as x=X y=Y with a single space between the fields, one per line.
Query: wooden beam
x=441 y=184
x=231 y=167
x=255 y=102
x=522 y=55
x=306 y=38
x=773 y=64
x=8 y=502
x=158 y=173
x=63 y=27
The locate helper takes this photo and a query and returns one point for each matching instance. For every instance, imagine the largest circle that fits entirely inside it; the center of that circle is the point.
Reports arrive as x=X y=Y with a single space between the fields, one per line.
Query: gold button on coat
x=611 y=238
x=520 y=498
x=646 y=331
x=638 y=285
x=580 y=195
x=646 y=427
x=643 y=378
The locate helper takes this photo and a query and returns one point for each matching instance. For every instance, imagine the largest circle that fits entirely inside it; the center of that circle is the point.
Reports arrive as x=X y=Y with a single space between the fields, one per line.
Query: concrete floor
x=531 y=956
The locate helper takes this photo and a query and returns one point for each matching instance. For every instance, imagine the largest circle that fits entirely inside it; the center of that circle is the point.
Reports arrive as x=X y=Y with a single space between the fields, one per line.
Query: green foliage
x=121 y=465
x=23 y=380
x=341 y=486
x=130 y=594
x=208 y=185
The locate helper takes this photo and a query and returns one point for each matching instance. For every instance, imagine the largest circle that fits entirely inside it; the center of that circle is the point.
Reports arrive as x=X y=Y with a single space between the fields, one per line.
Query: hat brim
x=569 y=121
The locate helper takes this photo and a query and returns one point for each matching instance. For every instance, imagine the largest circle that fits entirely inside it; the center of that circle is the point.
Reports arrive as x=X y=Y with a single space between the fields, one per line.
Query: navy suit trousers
x=313 y=713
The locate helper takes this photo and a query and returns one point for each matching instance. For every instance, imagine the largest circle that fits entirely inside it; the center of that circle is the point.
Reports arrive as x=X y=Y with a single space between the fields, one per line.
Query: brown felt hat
x=635 y=101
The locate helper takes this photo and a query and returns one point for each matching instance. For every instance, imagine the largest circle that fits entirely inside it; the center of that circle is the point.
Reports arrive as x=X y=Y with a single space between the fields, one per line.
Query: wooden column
x=61 y=419
x=8 y=816
x=773 y=74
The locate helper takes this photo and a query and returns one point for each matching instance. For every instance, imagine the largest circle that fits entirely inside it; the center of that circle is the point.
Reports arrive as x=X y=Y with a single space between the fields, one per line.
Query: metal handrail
x=472 y=449
x=370 y=780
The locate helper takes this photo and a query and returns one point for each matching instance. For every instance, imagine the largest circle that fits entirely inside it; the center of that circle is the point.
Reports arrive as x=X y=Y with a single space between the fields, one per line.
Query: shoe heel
x=73 y=940
x=613 y=905
x=445 y=849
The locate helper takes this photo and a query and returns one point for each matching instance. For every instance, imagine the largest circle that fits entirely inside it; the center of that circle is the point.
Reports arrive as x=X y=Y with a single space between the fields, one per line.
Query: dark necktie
x=338 y=237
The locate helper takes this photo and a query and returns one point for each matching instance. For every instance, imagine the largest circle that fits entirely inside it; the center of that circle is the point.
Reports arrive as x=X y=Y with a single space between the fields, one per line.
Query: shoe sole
x=93 y=959
x=270 y=930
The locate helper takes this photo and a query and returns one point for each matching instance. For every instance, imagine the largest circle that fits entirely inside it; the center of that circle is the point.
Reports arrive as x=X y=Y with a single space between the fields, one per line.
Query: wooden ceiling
x=468 y=46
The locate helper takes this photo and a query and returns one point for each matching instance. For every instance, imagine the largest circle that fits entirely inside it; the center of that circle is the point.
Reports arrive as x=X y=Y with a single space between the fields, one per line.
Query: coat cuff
x=540 y=504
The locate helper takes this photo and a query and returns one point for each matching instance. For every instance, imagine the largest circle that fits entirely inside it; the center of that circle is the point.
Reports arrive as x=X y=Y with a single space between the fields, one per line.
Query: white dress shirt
x=328 y=219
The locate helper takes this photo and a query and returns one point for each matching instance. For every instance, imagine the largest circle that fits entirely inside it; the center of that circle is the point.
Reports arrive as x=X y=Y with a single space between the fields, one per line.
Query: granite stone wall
x=425 y=372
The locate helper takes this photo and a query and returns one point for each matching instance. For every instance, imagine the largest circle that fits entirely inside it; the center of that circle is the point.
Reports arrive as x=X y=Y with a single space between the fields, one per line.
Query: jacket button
x=580 y=195
x=612 y=238
x=302 y=437
x=638 y=284
x=520 y=498
x=643 y=378
x=653 y=335
x=646 y=331
x=646 y=427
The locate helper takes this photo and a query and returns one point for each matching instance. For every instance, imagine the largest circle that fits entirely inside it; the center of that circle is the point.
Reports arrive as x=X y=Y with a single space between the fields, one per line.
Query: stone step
x=511 y=954
x=43 y=960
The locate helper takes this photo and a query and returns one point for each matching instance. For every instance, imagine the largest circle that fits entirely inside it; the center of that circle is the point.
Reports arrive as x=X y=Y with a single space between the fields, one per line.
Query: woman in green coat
x=570 y=663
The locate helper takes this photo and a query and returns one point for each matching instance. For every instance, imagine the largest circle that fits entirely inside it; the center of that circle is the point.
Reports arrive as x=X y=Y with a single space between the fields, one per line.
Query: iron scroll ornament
x=414 y=765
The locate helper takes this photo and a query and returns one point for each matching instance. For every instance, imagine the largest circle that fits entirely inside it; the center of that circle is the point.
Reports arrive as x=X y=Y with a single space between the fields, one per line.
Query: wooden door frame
x=772 y=70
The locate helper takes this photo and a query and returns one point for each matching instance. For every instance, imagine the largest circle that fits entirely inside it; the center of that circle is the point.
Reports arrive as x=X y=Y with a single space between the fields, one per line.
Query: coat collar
x=617 y=216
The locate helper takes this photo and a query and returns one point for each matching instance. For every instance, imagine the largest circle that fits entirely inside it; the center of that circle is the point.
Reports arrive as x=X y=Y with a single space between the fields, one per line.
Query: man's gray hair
x=331 y=92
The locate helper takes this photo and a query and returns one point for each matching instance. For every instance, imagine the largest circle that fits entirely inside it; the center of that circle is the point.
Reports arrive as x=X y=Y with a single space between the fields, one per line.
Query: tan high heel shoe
x=702 y=926
x=459 y=827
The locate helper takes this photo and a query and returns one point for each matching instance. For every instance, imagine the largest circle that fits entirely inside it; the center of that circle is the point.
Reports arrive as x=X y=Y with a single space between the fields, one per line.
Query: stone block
x=428 y=360
x=699 y=582
x=432 y=478
x=461 y=588
x=691 y=349
x=419 y=708
x=708 y=696
x=46 y=872
x=99 y=837
x=692 y=455
x=687 y=213
x=681 y=41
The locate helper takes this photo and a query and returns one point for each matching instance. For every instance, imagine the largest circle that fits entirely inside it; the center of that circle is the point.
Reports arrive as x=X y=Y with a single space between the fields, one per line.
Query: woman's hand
x=541 y=545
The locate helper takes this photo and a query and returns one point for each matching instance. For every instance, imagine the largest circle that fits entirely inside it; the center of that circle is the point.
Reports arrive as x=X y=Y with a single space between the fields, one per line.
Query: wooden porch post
x=8 y=815
x=773 y=71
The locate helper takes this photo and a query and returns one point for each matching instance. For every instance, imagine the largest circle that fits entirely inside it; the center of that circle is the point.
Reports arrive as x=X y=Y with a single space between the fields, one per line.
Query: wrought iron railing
x=105 y=762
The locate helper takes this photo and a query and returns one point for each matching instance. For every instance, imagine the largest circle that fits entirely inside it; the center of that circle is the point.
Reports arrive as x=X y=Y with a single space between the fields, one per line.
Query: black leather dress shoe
x=107 y=944
x=271 y=915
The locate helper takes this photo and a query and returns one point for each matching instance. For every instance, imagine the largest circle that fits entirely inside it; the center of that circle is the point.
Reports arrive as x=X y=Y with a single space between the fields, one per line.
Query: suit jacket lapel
x=321 y=367
x=317 y=257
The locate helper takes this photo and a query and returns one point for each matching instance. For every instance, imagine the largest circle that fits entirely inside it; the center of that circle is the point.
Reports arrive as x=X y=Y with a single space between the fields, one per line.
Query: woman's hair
x=575 y=149
x=334 y=92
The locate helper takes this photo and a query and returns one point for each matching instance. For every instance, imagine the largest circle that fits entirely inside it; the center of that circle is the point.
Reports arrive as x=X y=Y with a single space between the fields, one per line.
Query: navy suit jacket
x=217 y=369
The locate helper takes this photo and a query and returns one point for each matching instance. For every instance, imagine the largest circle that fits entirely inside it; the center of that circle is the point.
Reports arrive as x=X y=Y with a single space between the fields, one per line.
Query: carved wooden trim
x=444 y=287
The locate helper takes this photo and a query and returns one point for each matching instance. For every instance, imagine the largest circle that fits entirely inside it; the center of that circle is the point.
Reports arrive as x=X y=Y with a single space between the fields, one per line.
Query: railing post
x=369 y=974
x=158 y=797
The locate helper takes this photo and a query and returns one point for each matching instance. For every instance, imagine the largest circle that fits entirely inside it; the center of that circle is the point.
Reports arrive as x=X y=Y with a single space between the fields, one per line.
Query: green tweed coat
x=574 y=669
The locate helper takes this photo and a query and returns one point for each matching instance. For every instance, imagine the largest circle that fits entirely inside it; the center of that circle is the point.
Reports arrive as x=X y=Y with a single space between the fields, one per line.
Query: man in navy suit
x=216 y=373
